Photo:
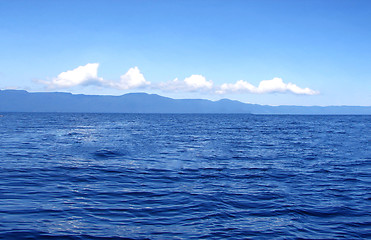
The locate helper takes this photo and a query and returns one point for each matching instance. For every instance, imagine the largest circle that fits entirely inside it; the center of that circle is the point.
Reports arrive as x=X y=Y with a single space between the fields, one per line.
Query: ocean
x=184 y=176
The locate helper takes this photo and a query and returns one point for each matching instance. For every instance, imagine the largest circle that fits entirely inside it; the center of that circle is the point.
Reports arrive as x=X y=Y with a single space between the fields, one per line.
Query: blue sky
x=266 y=52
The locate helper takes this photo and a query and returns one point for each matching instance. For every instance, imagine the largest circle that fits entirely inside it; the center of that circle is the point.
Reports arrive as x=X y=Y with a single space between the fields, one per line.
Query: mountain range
x=23 y=101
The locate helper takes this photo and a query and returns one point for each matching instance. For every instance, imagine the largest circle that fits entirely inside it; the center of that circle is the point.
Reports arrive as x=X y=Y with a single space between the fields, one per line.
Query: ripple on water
x=138 y=176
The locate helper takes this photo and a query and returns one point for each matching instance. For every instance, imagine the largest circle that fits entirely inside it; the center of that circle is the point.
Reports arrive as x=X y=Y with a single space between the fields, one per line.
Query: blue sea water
x=191 y=176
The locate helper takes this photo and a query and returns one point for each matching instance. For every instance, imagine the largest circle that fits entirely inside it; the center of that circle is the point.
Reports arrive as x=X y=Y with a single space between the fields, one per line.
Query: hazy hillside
x=23 y=101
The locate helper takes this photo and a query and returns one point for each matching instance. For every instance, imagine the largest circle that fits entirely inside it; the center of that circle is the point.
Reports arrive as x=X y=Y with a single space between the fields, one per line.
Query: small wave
x=106 y=153
x=22 y=234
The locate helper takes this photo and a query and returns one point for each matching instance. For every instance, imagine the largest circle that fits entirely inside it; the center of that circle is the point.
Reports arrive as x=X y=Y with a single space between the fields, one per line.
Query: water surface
x=164 y=176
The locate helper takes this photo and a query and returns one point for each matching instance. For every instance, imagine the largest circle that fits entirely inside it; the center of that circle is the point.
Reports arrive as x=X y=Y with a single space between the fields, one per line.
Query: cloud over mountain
x=88 y=75
x=265 y=86
x=82 y=75
x=189 y=84
x=134 y=79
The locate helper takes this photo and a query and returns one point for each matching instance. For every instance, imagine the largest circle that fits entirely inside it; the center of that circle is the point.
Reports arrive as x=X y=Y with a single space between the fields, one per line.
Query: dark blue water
x=97 y=176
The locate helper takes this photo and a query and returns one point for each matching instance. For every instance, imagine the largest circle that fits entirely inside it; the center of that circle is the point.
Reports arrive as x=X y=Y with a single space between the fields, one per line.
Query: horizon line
x=110 y=95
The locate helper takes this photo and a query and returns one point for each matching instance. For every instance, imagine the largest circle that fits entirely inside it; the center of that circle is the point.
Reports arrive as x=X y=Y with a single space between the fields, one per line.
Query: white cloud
x=295 y=89
x=189 y=84
x=12 y=88
x=132 y=79
x=198 y=82
x=265 y=86
x=88 y=75
x=82 y=75
x=239 y=86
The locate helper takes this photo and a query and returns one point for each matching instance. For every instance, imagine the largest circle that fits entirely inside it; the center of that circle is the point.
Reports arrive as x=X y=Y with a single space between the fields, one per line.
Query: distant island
x=23 y=101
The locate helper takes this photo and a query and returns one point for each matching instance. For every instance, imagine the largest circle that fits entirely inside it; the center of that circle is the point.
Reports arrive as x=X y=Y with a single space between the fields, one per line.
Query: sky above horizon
x=265 y=52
